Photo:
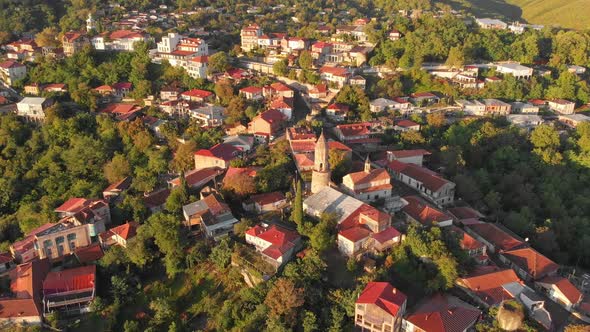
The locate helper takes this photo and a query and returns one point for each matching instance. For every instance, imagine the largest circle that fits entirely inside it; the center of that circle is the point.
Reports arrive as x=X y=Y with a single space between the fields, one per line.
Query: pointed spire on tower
x=367 y=165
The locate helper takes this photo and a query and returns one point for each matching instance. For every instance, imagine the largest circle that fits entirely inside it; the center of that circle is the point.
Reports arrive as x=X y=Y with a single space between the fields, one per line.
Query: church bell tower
x=320 y=177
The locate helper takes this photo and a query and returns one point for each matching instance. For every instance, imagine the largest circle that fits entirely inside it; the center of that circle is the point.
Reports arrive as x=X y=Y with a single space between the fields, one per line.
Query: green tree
x=309 y=322
x=218 y=62
x=298 y=205
x=117 y=169
x=455 y=58
x=280 y=68
x=305 y=60
x=184 y=157
x=221 y=254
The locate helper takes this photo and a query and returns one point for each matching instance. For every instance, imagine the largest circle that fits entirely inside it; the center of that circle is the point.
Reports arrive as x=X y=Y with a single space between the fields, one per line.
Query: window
x=72 y=237
x=359 y=318
x=48 y=252
x=59 y=240
x=47 y=244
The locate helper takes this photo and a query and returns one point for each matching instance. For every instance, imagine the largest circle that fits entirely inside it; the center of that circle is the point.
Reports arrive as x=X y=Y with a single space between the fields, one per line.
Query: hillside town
x=383 y=169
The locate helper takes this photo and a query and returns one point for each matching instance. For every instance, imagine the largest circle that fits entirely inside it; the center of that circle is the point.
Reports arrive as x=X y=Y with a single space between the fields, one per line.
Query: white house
x=33 y=108
x=12 y=71
x=515 y=69
x=524 y=108
x=276 y=244
x=525 y=120
x=562 y=106
x=491 y=23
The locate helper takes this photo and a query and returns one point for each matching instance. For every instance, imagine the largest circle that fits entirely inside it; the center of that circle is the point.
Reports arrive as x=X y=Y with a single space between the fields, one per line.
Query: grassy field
x=573 y=14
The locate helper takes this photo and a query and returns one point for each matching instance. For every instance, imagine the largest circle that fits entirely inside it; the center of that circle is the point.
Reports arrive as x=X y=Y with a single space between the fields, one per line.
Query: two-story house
x=211 y=215
x=217 y=156
x=276 y=244
x=12 y=71
x=380 y=308
x=369 y=184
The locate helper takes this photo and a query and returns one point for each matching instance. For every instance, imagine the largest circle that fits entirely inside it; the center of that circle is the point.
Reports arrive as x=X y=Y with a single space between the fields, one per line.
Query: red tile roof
x=281 y=239
x=423 y=95
x=18 y=308
x=272 y=116
x=488 y=285
x=406 y=123
x=388 y=234
x=338 y=107
x=466 y=241
x=73 y=205
x=355 y=129
x=282 y=103
x=335 y=145
x=79 y=278
x=531 y=261
x=303 y=160
x=565 y=287
x=431 y=180
x=320 y=88
x=222 y=151
x=28 y=279
x=279 y=236
x=125 y=231
x=90 y=253
x=251 y=89
x=197 y=176
x=28 y=242
x=409 y=153
x=125 y=34
x=73 y=36
x=122 y=86
x=423 y=212
x=494 y=235
x=197 y=93
x=355 y=234
x=375 y=175
x=465 y=212
x=268 y=198
x=444 y=314
x=362 y=214
x=383 y=295
x=337 y=71
x=281 y=87
x=200 y=59
x=232 y=171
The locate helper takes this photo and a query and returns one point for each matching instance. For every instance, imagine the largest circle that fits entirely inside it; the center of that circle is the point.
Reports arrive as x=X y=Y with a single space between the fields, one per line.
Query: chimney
x=394 y=290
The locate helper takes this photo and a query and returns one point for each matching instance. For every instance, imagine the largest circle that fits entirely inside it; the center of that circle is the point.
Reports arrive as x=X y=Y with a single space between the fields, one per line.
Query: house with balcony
x=70 y=290
x=33 y=108
x=380 y=308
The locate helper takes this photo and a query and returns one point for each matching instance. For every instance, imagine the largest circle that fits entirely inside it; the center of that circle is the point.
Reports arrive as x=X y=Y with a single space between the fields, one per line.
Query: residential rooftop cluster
x=387 y=170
